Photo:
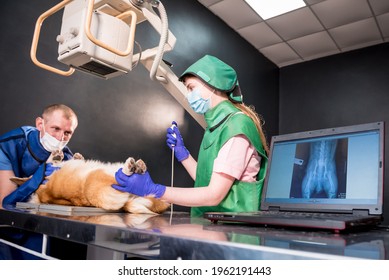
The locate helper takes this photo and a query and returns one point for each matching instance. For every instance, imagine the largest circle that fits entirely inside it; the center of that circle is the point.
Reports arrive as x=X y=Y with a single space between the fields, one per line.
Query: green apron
x=224 y=122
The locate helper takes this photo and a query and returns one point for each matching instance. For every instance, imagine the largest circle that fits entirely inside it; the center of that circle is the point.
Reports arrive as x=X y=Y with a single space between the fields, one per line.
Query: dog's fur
x=81 y=182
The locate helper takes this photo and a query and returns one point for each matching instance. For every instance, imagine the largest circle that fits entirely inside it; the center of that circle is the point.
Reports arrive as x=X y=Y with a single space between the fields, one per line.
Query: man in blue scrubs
x=23 y=153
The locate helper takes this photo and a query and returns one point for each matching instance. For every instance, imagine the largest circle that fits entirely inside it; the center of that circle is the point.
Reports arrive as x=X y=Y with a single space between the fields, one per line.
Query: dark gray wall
x=346 y=89
x=127 y=115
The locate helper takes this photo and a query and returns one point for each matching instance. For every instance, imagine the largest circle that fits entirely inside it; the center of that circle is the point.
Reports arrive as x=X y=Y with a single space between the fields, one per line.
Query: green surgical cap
x=217 y=75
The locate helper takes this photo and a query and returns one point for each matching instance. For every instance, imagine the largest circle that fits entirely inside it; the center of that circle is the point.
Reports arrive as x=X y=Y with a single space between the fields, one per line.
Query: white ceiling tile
x=300 y=35
x=362 y=45
x=379 y=6
x=280 y=53
x=314 y=45
x=383 y=22
x=311 y=2
x=319 y=55
x=259 y=35
x=359 y=33
x=208 y=3
x=334 y=13
x=290 y=62
x=295 y=24
x=236 y=13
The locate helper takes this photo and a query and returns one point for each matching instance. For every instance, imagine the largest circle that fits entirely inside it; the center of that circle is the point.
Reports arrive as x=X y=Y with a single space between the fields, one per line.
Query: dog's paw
x=56 y=157
x=140 y=167
x=129 y=166
x=78 y=156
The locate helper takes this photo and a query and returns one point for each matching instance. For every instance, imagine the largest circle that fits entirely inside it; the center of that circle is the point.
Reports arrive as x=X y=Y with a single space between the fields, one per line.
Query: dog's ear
x=19 y=181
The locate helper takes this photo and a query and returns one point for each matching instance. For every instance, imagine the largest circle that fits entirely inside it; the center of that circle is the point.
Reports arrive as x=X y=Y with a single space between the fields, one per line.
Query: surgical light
x=270 y=8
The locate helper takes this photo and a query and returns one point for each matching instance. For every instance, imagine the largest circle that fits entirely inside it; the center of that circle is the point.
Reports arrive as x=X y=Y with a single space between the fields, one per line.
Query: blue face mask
x=197 y=103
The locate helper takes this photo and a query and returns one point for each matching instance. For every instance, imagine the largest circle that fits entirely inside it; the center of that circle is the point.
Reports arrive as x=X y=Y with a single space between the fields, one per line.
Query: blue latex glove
x=174 y=139
x=138 y=184
x=49 y=170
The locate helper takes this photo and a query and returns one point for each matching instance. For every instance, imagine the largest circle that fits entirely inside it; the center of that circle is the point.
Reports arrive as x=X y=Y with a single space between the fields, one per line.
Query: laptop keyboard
x=306 y=215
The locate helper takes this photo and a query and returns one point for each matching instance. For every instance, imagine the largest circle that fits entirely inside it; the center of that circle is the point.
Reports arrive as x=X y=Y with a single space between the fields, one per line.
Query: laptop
x=323 y=179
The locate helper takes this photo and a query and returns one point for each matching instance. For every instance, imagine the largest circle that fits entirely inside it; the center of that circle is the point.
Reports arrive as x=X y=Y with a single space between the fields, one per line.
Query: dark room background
x=340 y=90
x=128 y=115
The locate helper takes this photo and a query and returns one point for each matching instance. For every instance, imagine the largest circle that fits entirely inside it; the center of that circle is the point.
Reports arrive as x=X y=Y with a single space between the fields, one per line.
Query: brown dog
x=82 y=182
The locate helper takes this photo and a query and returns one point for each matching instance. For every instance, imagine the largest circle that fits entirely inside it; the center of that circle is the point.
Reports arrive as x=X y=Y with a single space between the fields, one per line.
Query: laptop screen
x=337 y=169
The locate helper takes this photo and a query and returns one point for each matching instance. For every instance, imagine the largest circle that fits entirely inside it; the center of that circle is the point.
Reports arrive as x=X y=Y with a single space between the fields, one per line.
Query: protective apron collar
x=35 y=147
x=218 y=114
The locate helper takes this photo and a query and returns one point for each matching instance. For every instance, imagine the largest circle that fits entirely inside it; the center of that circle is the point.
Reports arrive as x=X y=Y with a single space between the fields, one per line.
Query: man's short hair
x=68 y=113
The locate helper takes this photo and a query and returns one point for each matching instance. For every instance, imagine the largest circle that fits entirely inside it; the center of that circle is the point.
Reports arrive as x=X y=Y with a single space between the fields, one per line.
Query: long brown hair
x=248 y=110
x=257 y=119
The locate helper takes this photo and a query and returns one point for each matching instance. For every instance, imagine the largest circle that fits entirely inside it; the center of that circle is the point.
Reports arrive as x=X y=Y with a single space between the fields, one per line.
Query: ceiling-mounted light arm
x=167 y=39
x=161 y=46
x=101 y=44
x=35 y=40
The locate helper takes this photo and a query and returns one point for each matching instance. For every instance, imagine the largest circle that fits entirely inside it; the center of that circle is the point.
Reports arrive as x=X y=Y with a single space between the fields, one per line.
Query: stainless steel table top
x=183 y=237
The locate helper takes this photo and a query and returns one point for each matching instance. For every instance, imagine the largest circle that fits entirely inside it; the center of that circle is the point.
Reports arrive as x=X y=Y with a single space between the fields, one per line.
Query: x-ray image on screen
x=320 y=169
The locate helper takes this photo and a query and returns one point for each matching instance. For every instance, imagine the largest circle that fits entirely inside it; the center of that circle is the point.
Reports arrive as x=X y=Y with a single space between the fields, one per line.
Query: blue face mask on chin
x=197 y=103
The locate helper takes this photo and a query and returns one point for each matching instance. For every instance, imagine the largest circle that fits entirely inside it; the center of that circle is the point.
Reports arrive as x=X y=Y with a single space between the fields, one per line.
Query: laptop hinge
x=274 y=208
x=360 y=212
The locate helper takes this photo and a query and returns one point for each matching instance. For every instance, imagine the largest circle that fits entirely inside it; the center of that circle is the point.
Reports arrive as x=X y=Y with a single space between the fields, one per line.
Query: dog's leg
x=145 y=205
x=99 y=192
x=78 y=156
x=141 y=205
